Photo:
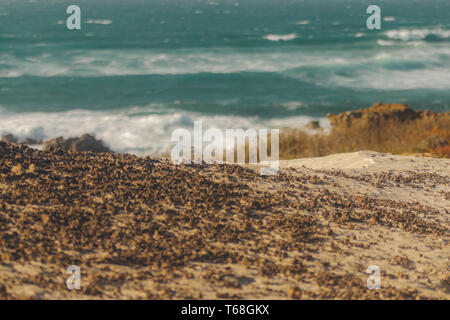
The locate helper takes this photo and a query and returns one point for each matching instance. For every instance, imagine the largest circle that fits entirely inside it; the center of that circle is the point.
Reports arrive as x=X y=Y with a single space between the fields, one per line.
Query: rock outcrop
x=313 y=125
x=79 y=144
x=380 y=111
x=13 y=139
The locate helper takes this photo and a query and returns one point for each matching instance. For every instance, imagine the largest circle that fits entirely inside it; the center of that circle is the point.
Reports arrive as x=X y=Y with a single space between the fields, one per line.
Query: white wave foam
x=417 y=34
x=384 y=69
x=302 y=22
x=292 y=105
x=93 y=63
x=98 y=21
x=281 y=37
x=290 y=62
x=385 y=43
x=124 y=131
x=381 y=79
x=389 y=19
x=8 y=36
x=10 y=74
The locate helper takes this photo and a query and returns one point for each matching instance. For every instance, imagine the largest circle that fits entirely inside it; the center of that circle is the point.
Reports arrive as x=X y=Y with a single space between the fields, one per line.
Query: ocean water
x=138 y=69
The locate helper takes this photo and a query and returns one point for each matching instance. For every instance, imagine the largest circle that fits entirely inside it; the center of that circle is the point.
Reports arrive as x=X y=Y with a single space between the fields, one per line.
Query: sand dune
x=142 y=228
x=372 y=161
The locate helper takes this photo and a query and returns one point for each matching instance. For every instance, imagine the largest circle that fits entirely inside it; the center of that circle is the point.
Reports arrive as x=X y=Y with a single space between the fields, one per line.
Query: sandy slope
x=407 y=259
x=146 y=228
x=372 y=161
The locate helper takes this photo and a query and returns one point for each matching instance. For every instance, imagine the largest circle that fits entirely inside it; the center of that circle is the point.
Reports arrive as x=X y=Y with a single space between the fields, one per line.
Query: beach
x=114 y=115
x=145 y=228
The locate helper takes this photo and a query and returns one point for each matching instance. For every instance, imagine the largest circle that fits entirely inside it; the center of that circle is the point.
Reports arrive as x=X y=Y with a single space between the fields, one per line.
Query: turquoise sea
x=138 y=69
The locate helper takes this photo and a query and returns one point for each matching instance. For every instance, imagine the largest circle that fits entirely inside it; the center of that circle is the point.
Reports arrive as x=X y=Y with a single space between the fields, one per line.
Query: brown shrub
x=427 y=135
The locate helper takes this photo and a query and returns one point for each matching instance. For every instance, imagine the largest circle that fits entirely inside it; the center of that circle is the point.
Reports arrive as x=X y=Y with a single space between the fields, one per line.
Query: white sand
x=370 y=161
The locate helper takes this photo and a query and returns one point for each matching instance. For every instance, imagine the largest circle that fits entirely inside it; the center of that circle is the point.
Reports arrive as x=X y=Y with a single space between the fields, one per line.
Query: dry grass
x=428 y=137
x=424 y=136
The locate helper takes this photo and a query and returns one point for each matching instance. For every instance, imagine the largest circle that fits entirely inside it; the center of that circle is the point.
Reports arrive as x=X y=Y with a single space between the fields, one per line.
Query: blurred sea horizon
x=139 y=69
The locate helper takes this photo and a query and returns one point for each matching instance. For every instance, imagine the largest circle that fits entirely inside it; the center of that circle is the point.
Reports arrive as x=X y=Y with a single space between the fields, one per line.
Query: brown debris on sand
x=142 y=228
